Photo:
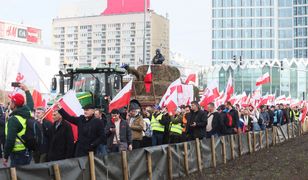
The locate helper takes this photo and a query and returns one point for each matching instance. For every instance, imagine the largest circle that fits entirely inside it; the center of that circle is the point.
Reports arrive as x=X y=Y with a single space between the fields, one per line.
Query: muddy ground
x=288 y=160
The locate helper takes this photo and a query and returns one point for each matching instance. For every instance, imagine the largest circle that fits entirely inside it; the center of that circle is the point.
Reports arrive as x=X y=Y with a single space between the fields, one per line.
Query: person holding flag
x=15 y=128
x=90 y=129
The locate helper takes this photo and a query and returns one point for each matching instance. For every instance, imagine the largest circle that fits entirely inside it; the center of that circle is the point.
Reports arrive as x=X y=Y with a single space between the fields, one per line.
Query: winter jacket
x=218 y=126
x=200 y=118
x=62 y=142
x=14 y=126
x=46 y=128
x=137 y=126
x=90 y=133
x=125 y=132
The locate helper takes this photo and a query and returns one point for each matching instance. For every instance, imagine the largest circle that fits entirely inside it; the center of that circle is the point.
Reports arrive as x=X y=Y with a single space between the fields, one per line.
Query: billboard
x=125 y=6
x=19 y=33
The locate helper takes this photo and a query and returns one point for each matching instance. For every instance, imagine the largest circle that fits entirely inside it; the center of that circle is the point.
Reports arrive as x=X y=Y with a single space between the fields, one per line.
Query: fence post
x=249 y=142
x=170 y=163
x=223 y=145
x=213 y=151
x=198 y=155
x=124 y=165
x=288 y=130
x=254 y=141
x=186 y=159
x=13 y=173
x=266 y=137
x=293 y=133
x=92 y=166
x=149 y=159
x=240 y=144
x=56 y=170
x=274 y=135
x=232 y=147
x=260 y=140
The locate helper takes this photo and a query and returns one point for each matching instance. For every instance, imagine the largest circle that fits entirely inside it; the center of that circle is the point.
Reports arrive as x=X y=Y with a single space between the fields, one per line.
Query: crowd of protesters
x=127 y=128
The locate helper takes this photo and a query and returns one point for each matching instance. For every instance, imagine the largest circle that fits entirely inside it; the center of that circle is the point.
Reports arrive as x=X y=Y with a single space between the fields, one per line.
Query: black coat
x=62 y=142
x=218 y=125
x=200 y=118
x=90 y=133
x=125 y=132
x=46 y=128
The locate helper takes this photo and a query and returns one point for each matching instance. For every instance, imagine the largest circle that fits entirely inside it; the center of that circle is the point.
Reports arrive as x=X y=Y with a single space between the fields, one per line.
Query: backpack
x=230 y=120
x=148 y=129
x=33 y=136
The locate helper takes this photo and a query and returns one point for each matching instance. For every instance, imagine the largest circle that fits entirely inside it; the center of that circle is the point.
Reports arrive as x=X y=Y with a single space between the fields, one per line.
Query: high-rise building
x=117 y=35
x=252 y=37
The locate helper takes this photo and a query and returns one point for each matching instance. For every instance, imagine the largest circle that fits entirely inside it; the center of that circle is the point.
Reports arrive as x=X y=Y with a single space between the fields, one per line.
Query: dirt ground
x=288 y=160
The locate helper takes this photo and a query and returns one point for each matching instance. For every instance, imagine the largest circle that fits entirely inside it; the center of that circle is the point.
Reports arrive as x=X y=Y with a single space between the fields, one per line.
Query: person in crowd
x=223 y=116
x=264 y=118
x=2 y=128
x=232 y=117
x=291 y=113
x=62 y=142
x=197 y=122
x=136 y=124
x=247 y=121
x=165 y=120
x=285 y=115
x=277 y=116
x=176 y=126
x=157 y=127
x=102 y=148
x=15 y=128
x=147 y=131
x=296 y=113
x=215 y=125
x=118 y=132
x=270 y=111
x=186 y=113
x=90 y=131
x=45 y=127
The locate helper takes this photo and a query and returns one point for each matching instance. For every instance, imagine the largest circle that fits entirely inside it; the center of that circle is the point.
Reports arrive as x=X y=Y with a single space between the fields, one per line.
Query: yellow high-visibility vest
x=176 y=128
x=156 y=126
x=19 y=146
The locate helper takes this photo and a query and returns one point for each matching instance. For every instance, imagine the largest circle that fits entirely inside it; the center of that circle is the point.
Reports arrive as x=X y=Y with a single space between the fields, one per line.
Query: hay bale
x=161 y=72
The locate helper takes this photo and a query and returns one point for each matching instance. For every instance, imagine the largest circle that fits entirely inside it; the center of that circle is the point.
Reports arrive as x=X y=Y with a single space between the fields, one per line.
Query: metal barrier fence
x=158 y=162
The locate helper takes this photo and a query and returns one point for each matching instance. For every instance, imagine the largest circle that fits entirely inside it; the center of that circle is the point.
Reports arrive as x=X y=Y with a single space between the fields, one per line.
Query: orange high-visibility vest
x=184 y=124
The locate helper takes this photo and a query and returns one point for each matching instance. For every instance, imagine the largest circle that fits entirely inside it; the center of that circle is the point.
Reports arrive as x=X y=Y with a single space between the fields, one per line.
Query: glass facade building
x=252 y=37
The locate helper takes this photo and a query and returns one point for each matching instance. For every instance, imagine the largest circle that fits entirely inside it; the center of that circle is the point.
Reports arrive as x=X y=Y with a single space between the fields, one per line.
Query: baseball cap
x=18 y=99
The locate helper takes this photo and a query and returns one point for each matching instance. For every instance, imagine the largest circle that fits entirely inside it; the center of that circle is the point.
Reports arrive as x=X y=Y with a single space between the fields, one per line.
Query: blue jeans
x=157 y=138
x=20 y=158
x=101 y=150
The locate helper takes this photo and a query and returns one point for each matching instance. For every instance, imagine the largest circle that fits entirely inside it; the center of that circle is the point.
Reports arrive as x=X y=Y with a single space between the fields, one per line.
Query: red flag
x=207 y=98
x=122 y=98
x=191 y=78
x=303 y=113
x=229 y=89
x=38 y=99
x=148 y=80
x=263 y=79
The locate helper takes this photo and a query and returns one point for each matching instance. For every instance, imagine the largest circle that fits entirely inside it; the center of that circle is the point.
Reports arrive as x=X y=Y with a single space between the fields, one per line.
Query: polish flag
x=280 y=99
x=148 y=80
x=207 y=97
x=229 y=89
x=27 y=75
x=303 y=112
x=172 y=87
x=191 y=78
x=122 y=98
x=172 y=102
x=263 y=100
x=71 y=105
x=263 y=79
x=214 y=87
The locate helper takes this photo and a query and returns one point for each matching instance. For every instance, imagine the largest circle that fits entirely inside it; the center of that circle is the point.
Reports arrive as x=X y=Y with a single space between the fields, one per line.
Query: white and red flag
x=175 y=85
x=303 y=112
x=264 y=79
x=148 y=80
x=71 y=105
x=191 y=78
x=172 y=102
x=229 y=89
x=27 y=75
x=122 y=98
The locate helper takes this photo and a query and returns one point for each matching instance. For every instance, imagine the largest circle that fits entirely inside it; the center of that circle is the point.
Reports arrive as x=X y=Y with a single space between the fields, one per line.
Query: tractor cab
x=92 y=85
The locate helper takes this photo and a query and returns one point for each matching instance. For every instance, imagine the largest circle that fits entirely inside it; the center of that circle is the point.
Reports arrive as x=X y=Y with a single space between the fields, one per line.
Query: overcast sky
x=190 y=21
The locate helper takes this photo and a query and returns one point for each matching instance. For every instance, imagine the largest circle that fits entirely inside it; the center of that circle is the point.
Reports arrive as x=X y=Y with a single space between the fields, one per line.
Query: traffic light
x=241 y=61
x=281 y=65
x=234 y=59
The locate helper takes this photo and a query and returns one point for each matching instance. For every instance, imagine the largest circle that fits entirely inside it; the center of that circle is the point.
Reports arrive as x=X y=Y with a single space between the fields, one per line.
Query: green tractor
x=92 y=85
